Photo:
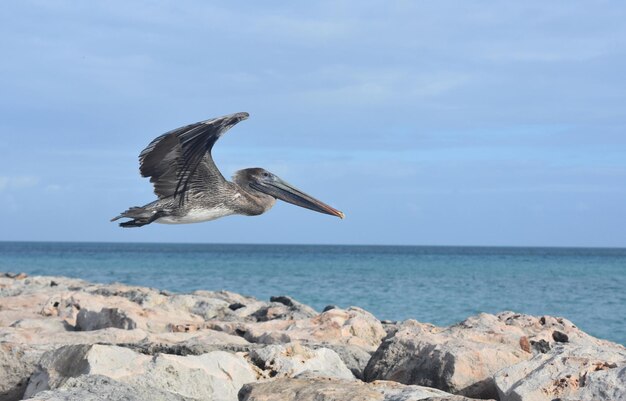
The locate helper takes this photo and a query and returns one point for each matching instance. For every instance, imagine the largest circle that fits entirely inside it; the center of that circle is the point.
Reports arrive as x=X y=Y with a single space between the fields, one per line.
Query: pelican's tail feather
x=140 y=216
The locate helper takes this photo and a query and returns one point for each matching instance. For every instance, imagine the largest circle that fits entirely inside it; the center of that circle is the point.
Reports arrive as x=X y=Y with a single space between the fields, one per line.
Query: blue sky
x=426 y=122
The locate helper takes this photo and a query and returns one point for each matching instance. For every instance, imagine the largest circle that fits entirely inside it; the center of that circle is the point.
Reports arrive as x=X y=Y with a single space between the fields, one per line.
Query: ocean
x=440 y=285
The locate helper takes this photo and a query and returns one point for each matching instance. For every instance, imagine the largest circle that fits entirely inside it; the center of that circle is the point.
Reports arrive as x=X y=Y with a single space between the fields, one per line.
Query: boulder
x=143 y=296
x=567 y=372
x=290 y=360
x=238 y=307
x=98 y=311
x=285 y=308
x=196 y=343
x=463 y=358
x=354 y=357
x=215 y=375
x=21 y=284
x=98 y=388
x=17 y=363
x=352 y=326
x=327 y=389
x=104 y=318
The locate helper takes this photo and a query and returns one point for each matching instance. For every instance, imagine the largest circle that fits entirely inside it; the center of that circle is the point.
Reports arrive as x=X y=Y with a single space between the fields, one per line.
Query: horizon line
x=319 y=244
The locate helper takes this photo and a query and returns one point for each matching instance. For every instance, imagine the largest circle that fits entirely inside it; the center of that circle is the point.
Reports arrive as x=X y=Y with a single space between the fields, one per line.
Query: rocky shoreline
x=69 y=339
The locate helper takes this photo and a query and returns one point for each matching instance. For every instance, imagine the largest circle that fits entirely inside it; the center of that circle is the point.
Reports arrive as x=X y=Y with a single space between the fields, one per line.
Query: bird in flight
x=190 y=188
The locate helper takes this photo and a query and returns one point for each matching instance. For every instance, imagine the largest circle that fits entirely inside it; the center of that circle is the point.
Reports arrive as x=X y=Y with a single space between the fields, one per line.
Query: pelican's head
x=260 y=180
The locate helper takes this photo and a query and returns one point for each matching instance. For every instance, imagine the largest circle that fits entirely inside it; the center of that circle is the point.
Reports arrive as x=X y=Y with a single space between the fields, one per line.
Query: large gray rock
x=463 y=358
x=215 y=375
x=567 y=372
x=290 y=360
x=17 y=363
x=354 y=357
x=326 y=389
x=102 y=388
x=103 y=319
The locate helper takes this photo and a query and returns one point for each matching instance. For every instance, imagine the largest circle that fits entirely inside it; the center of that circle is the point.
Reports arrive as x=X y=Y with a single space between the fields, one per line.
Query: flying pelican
x=191 y=189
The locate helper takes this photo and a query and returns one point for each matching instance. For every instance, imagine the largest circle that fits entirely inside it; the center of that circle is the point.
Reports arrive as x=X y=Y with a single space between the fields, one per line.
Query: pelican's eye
x=266 y=174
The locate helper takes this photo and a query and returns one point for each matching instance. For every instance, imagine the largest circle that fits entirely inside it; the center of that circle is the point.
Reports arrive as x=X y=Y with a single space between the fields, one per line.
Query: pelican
x=191 y=189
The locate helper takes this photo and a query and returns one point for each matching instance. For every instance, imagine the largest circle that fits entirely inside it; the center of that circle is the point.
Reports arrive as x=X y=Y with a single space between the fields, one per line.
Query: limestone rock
x=79 y=340
x=104 y=318
x=17 y=363
x=463 y=358
x=226 y=306
x=183 y=344
x=101 y=388
x=354 y=357
x=285 y=308
x=352 y=326
x=143 y=296
x=290 y=360
x=326 y=389
x=576 y=372
x=215 y=375
x=15 y=285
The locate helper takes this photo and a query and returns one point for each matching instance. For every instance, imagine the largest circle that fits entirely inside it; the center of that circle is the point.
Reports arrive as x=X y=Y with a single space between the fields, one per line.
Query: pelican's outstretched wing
x=180 y=160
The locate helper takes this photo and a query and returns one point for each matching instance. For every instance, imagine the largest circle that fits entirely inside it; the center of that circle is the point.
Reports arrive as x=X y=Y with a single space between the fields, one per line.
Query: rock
x=98 y=388
x=17 y=363
x=582 y=372
x=290 y=360
x=541 y=346
x=284 y=308
x=559 y=337
x=354 y=357
x=227 y=306
x=146 y=297
x=352 y=326
x=524 y=344
x=211 y=308
x=78 y=340
x=180 y=344
x=463 y=358
x=61 y=305
x=169 y=312
x=52 y=334
x=12 y=286
x=105 y=318
x=236 y=306
x=215 y=375
x=326 y=389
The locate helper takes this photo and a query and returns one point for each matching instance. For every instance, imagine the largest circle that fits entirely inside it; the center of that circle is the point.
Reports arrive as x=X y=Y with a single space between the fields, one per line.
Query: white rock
x=17 y=363
x=98 y=388
x=577 y=372
x=352 y=326
x=327 y=389
x=215 y=375
x=463 y=358
x=290 y=360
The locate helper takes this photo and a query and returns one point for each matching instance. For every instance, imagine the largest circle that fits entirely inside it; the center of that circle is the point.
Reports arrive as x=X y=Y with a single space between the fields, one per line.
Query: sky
x=426 y=122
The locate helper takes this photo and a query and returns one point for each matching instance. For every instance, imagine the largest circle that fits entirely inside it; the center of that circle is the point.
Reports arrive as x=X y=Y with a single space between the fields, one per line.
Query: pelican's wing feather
x=180 y=160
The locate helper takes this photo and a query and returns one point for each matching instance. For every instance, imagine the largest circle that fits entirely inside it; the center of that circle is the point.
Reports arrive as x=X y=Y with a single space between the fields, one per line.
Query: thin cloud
x=17 y=182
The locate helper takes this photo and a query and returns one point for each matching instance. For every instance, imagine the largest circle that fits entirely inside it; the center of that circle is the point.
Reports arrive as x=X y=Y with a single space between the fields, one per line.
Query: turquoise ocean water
x=441 y=285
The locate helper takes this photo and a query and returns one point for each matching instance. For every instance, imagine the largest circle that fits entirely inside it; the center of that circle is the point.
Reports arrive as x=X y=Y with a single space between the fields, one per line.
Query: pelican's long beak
x=286 y=192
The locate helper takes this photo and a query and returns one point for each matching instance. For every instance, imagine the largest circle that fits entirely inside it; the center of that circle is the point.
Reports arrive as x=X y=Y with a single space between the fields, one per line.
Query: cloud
x=17 y=182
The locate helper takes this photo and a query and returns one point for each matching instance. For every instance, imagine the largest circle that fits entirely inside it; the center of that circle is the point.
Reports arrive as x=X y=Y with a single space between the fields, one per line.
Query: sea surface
x=441 y=285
